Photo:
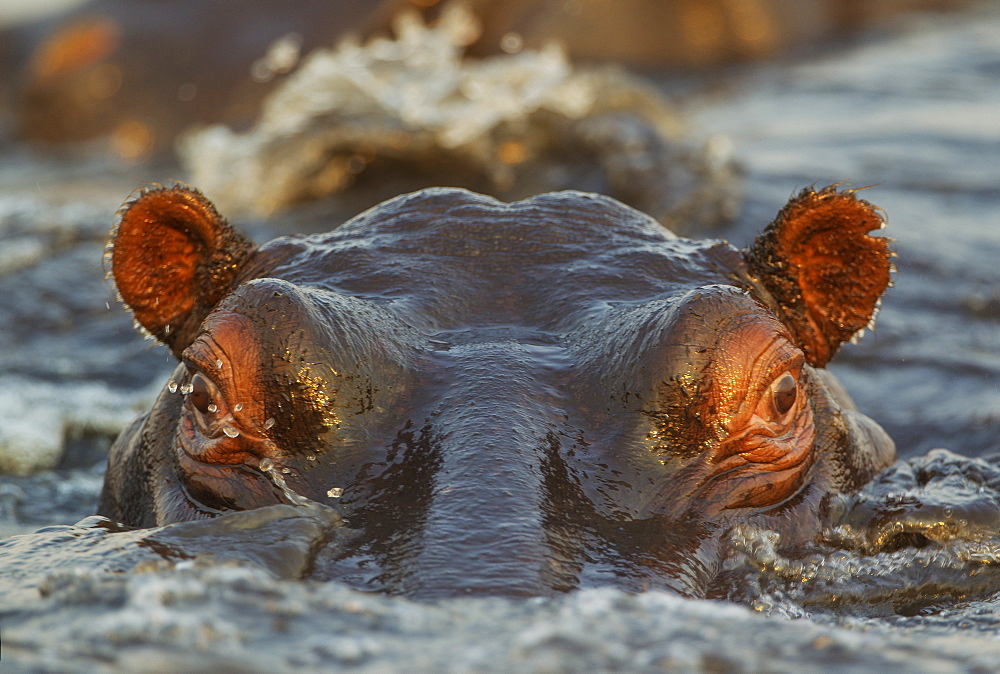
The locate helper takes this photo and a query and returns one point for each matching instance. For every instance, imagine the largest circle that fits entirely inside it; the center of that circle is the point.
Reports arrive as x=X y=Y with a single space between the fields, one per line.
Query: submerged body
x=510 y=399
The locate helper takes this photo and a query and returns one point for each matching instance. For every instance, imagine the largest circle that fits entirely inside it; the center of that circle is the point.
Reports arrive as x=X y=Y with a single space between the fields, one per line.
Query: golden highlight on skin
x=750 y=453
x=315 y=396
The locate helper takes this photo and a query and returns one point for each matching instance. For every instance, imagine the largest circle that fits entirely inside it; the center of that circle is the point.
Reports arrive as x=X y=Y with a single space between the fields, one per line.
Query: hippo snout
x=485 y=530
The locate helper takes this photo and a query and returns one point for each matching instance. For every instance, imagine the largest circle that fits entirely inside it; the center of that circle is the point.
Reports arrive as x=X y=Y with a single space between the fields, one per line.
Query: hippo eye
x=784 y=391
x=201 y=394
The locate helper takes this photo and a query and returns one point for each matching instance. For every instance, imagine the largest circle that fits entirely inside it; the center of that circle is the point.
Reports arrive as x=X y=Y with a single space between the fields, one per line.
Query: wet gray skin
x=503 y=399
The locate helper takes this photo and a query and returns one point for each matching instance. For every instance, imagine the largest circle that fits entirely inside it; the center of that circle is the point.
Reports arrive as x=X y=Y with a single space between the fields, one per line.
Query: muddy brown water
x=913 y=112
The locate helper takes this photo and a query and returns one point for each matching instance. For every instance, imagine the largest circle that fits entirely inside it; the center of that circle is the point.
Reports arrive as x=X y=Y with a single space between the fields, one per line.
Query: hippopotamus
x=502 y=398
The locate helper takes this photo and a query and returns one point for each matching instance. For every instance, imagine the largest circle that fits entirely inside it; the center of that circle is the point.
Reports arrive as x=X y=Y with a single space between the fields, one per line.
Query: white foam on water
x=36 y=418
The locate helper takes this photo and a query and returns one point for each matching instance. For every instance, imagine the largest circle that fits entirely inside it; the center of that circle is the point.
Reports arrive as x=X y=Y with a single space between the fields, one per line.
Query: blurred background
x=139 y=73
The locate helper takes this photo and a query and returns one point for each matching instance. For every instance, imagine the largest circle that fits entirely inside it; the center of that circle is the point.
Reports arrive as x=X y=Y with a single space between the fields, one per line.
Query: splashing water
x=268 y=467
x=921 y=537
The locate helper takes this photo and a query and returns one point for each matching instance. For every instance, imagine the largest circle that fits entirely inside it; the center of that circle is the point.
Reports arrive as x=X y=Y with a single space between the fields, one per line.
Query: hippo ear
x=819 y=269
x=173 y=258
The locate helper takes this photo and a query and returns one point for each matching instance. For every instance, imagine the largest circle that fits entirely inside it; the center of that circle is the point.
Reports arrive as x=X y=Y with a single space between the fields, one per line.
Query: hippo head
x=502 y=398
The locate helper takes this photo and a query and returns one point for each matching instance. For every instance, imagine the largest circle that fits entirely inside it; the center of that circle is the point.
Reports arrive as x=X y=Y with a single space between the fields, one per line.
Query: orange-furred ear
x=173 y=258
x=820 y=270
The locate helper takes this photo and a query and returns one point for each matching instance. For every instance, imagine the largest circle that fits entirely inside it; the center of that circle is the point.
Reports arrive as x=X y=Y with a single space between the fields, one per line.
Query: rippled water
x=906 y=576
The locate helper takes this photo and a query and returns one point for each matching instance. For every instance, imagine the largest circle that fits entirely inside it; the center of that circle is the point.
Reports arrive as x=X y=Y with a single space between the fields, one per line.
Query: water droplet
x=512 y=42
x=267 y=466
x=186 y=388
x=286 y=471
x=269 y=423
x=212 y=407
x=107 y=305
x=218 y=365
x=335 y=492
x=230 y=431
x=172 y=386
x=239 y=406
x=311 y=457
x=166 y=330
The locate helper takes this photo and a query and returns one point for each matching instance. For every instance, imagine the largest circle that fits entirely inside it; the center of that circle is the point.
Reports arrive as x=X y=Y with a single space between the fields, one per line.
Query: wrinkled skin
x=510 y=399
